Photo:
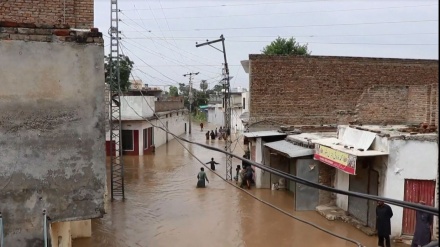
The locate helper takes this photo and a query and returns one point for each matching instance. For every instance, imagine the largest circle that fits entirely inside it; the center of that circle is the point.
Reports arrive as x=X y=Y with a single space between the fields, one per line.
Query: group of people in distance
x=221 y=133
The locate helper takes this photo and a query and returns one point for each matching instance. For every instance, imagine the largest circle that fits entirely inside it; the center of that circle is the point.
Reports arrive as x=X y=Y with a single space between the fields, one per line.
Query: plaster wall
x=51 y=136
x=342 y=183
x=131 y=106
x=408 y=159
x=176 y=125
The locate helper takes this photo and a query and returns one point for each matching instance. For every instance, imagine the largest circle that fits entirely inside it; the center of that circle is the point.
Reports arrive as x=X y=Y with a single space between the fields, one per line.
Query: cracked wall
x=51 y=135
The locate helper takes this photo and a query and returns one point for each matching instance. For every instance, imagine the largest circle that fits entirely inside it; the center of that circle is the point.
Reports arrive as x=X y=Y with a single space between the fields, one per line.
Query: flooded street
x=164 y=208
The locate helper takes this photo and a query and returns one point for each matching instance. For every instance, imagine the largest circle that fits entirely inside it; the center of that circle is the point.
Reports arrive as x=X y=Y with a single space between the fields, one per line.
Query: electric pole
x=227 y=100
x=190 y=97
x=114 y=105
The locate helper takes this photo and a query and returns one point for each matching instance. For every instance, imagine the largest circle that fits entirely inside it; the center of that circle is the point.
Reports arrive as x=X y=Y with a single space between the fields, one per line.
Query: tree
x=125 y=67
x=204 y=85
x=174 y=91
x=282 y=46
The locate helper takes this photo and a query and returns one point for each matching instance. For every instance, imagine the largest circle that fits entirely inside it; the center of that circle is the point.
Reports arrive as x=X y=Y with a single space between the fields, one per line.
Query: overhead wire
x=301 y=26
x=201 y=162
x=253 y=163
x=415 y=206
x=297 y=12
x=149 y=31
x=235 y=5
x=431 y=210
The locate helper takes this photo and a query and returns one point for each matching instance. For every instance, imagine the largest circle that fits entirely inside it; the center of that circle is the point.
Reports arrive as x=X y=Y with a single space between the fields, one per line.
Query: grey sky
x=160 y=36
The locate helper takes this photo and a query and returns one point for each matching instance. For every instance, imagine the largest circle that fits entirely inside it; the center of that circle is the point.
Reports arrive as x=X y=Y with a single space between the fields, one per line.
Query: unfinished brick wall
x=76 y=13
x=432 y=105
x=417 y=104
x=326 y=90
x=389 y=102
x=48 y=33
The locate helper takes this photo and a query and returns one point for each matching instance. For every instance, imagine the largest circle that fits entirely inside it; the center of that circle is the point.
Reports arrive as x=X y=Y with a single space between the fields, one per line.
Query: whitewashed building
x=384 y=161
x=139 y=136
x=215 y=108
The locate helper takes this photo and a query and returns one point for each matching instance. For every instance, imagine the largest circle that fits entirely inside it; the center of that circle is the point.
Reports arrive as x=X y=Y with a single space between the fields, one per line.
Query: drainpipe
x=45 y=227
x=64 y=14
x=1 y=230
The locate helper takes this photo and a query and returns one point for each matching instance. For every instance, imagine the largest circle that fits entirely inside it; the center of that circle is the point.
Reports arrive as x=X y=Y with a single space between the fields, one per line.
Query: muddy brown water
x=164 y=208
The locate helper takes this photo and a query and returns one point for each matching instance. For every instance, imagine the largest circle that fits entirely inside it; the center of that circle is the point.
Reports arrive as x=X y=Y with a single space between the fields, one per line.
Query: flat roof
x=392 y=130
x=307 y=137
x=289 y=148
x=336 y=144
x=263 y=134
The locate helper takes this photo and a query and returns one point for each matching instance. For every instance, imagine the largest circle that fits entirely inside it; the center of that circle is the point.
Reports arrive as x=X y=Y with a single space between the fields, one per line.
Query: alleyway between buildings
x=164 y=208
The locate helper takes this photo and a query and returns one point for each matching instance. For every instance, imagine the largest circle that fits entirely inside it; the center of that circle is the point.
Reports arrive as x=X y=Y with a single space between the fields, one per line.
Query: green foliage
x=125 y=67
x=282 y=46
x=204 y=85
x=174 y=91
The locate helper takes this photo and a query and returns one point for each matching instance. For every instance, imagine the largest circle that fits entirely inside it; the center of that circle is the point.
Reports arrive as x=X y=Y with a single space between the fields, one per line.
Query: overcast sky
x=160 y=35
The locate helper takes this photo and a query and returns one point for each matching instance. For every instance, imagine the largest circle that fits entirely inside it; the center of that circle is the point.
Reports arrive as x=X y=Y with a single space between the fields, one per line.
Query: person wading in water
x=201 y=178
x=213 y=163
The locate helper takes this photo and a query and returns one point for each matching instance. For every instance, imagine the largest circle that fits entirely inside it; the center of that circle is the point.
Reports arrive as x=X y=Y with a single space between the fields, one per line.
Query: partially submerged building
x=141 y=111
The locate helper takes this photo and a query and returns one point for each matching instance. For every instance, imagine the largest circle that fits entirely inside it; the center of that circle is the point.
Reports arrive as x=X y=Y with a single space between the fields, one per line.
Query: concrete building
x=139 y=136
x=215 y=108
x=397 y=162
x=51 y=122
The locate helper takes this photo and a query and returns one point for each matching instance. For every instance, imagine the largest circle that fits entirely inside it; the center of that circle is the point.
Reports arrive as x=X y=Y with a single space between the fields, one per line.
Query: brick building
x=301 y=90
x=75 y=13
x=52 y=132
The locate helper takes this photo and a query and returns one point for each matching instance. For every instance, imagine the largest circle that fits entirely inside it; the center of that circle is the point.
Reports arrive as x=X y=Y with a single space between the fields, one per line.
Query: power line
x=268 y=204
x=329 y=43
x=424 y=208
x=300 y=26
x=290 y=13
x=290 y=35
x=149 y=31
x=230 y=5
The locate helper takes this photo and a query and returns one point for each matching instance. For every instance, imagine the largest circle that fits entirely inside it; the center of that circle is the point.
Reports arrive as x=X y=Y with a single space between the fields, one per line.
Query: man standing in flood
x=422 y=234
x=383 y=223
x=201 y=178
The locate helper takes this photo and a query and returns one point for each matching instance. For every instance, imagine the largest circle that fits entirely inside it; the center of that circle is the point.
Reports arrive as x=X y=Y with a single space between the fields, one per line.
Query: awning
x=289 y=149
x=338 y=144
x=257 y=134
x=333 y=152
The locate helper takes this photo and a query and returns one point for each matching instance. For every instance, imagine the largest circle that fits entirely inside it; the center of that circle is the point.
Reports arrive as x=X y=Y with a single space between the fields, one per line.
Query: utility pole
x=114 y=105
x=190 y=97
x=227 y=100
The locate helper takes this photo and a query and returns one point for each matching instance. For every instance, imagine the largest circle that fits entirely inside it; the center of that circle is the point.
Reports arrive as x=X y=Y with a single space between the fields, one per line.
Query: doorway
x=306 y=197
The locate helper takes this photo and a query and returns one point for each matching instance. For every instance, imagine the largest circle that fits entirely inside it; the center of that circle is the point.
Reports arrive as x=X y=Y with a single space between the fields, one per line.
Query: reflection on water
x=164 y=208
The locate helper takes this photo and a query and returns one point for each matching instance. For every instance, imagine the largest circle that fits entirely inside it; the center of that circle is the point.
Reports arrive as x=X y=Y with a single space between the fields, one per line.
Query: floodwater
x=163 y=207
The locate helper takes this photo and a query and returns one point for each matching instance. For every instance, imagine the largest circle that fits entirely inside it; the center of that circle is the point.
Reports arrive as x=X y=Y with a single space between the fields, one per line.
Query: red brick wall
x=328 y=90
x=418 y=104
x=76 y=13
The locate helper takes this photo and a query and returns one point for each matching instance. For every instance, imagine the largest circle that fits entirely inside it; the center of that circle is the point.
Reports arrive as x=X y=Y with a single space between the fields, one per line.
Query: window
x=127 y=140
x=244 y=103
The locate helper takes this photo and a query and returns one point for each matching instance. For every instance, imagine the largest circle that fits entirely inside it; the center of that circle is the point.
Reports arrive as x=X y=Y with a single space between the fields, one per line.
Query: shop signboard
x=340 y=160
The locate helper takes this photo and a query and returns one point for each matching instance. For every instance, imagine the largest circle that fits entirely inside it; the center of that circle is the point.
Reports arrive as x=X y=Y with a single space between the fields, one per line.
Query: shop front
x=355 y=170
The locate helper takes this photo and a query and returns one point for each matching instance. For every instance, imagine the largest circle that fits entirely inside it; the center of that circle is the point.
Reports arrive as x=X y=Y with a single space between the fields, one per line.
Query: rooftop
x=398 y=130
